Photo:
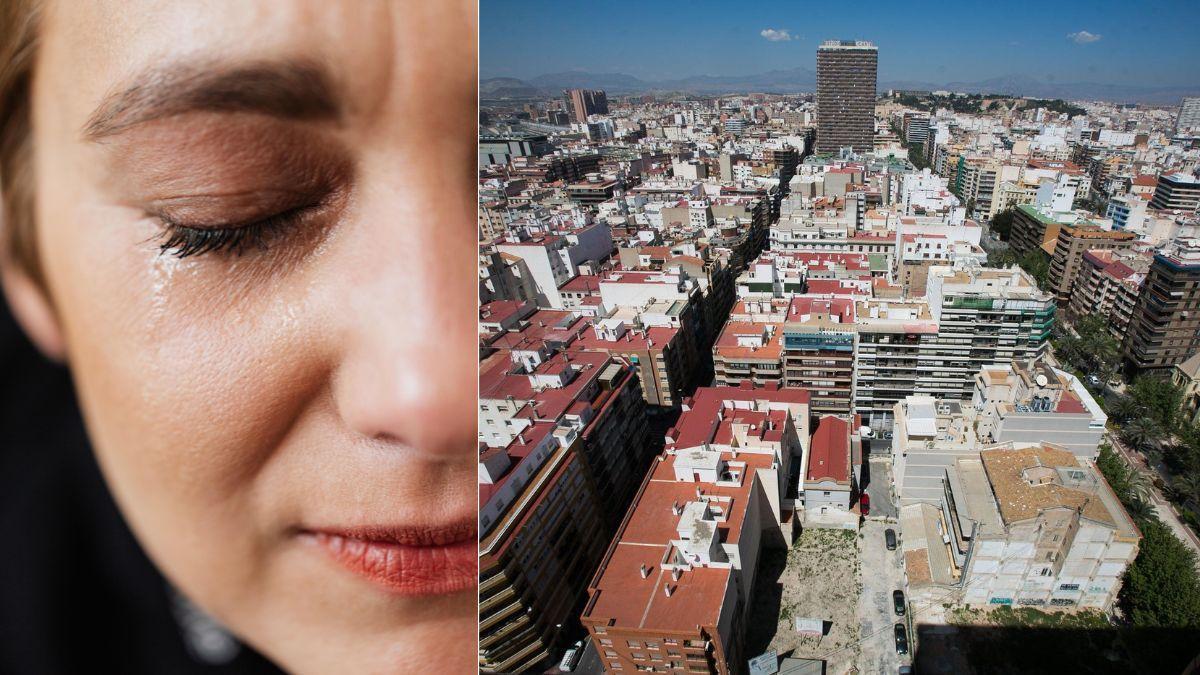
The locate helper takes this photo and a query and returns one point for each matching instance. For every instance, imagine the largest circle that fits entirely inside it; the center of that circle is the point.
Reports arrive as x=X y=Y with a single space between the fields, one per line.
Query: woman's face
x=256 y=222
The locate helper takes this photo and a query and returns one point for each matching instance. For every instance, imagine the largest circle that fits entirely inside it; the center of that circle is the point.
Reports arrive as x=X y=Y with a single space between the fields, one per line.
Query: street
x=879 y=488
x=882 y=573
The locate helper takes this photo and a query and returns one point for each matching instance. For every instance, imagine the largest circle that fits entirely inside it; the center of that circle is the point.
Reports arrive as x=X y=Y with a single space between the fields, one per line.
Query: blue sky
x=1131 y=42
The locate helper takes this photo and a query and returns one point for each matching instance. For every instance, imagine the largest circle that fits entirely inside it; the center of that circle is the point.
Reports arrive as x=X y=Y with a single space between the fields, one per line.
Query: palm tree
x=1123 y=408
x=1139 y=509
x=1187 y=486
x=1139 y=486
x=1140 y=433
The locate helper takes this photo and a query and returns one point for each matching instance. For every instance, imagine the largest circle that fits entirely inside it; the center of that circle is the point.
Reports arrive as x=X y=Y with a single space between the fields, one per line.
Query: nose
x=408 y=373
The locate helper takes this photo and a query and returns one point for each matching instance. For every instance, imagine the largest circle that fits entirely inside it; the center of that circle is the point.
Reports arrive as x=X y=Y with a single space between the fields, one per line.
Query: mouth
x=410 y=561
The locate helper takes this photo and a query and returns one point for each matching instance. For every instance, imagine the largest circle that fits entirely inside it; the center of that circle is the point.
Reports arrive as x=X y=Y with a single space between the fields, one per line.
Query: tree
x=1038 y=265
x=1187 y=486
x=1159 y=397
x=1122 y=408
x=1002 y=223
x=1139 y=487
x=1162 y=588
x=1139 y=509
x=1116 y=472
x=1140 y=433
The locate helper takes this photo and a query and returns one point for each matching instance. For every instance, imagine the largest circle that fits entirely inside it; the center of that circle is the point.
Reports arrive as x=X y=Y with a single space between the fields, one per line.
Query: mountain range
x=794 y=80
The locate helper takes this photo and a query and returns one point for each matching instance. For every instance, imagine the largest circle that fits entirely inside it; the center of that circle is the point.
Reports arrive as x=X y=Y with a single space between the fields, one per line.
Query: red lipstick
x=407 y=560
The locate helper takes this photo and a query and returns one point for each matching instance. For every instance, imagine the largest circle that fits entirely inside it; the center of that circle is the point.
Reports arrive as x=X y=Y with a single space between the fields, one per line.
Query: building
x=1033 y=229
x=846 y=79
x=892 y=335
x=674 y=587
x=582 y=103
x=1073 y=242
x=985 y=317
x=748 y=352
x=831 y=479
x=1030 y=401
x=1177 y=192
x=818 y=352
x=1165 y=326
x=915 y=127
x=1188 y=120
x=1107 y=285
x=1027 y=525
x=562 y=444
x=1186 y=376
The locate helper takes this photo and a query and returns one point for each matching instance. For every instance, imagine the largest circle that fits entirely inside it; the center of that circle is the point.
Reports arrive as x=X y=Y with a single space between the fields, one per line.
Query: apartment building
x=1030 y=525
x=1030 y=401
x=985 y=317
x=1177 y=192
x=1186 y=376
x=748 y=352
x=846 y=77
x=553 y=259
x=672 y=591
x=1165 y=327
x=550 y=495
x=1102 y=285
x=818 y=352
x=892 y=336
x=1073 y=242
x=1035 y=229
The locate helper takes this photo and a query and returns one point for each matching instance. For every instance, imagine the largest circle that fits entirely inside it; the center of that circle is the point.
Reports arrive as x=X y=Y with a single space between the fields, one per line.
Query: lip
x=410 y=561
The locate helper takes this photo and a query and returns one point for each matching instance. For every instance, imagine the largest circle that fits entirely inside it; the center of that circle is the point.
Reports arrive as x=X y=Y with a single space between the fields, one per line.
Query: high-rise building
x=584 y=102
x=1178 y=191
x=1189 y=115
x=1165 y=327
x=1073 y=243
x=846 y=76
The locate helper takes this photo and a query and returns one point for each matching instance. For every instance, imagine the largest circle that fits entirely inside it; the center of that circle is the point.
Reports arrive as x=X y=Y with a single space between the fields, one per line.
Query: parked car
x=898 y=602
x=905 y=670
x=1094 y=381
x=901 y=639
x=864 y=503
x=571 y=658
x=889 y=536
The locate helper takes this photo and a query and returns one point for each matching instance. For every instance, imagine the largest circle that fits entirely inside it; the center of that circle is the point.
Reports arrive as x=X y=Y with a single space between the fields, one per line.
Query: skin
x=326 y=380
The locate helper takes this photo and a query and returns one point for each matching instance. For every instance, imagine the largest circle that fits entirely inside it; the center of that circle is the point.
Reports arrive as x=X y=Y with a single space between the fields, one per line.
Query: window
x=610 y=653
x=633 y=643
x=605 y=642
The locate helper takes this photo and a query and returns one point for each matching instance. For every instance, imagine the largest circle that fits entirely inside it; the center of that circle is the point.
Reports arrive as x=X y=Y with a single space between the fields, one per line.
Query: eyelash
x=183 y=241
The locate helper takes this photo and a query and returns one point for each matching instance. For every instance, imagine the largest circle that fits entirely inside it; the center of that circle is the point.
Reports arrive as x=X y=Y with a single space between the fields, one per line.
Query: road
x=879 y=488
x=1164 y=509
x=882 y=572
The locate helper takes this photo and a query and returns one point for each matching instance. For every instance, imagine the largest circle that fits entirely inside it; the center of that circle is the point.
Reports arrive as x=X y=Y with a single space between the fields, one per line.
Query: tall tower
x=584 y=102
x=846 y=75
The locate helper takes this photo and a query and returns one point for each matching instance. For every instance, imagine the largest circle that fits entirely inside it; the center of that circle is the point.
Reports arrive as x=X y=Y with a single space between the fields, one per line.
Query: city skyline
x=1101 y=45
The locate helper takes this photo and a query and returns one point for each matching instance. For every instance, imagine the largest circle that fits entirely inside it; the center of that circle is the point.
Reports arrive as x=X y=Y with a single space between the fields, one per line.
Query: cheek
x=189 y=380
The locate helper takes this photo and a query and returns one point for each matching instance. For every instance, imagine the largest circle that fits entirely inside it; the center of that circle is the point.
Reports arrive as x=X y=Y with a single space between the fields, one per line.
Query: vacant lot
x=818 y=579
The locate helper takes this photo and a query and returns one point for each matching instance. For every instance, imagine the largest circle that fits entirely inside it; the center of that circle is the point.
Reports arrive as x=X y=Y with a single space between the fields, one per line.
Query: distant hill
x=799 y=80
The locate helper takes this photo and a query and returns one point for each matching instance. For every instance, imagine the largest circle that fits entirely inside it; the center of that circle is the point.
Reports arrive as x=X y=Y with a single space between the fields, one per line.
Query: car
x=901 y=639
x=898 y=602
x=889 y=537
x=1094 y=381
x=571 y=658
x=905 y=670
x=864 y=503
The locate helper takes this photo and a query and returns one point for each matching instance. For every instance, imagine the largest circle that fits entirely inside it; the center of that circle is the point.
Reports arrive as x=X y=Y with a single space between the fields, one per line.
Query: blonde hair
x=18 y=45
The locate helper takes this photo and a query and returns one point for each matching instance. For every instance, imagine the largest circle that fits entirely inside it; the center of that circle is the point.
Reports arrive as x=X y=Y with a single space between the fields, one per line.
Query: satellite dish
x=1041 y=380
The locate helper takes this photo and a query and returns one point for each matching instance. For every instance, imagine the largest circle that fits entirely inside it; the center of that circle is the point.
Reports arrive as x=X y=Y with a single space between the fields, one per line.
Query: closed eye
x=183 y=241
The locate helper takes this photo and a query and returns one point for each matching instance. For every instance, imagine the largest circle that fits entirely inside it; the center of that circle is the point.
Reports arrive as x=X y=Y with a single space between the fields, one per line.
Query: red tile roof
x=829 y=454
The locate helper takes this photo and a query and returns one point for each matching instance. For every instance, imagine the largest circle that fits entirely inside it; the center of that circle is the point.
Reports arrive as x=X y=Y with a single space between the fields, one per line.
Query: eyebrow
x=298 y=90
